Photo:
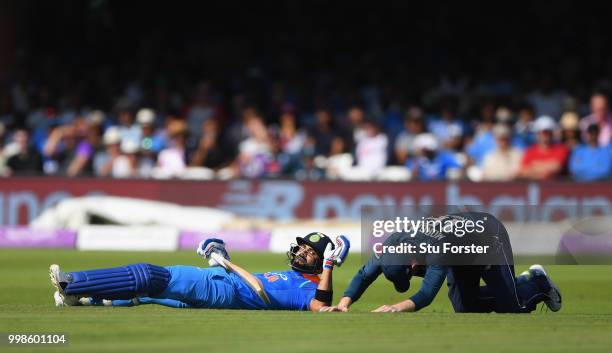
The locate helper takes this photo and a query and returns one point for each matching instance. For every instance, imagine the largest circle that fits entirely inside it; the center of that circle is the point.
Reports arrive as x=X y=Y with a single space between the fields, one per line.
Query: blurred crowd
x=306 y=90
x=542 y=134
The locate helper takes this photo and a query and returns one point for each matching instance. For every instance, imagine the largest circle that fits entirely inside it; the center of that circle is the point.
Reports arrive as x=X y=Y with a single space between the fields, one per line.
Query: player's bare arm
x=306 y=256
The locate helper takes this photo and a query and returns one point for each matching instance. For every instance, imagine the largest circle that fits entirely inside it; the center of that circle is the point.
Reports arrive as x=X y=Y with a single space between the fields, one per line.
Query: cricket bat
x=248 y=278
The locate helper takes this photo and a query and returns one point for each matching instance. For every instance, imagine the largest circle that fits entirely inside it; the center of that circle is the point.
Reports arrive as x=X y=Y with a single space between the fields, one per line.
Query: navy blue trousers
x=502 y=292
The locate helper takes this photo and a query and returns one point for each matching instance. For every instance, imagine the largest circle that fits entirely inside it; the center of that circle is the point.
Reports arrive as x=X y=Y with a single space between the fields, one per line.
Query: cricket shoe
x=553 y=301
x=61 y=299
x=523 y=277
x=59 y=302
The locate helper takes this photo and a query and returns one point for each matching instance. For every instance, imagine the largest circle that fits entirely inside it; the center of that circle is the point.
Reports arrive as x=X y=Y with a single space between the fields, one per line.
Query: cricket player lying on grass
x=222 y=286
x=503 y=292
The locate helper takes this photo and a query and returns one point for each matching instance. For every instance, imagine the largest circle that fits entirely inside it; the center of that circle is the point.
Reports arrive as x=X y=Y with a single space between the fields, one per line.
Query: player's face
x=306 y=255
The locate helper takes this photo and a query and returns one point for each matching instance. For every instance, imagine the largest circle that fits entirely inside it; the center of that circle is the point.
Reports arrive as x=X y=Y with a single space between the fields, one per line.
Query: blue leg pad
x=124 y=282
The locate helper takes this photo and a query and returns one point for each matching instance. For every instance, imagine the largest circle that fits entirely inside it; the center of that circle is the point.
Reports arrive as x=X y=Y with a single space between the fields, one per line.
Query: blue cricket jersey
x=588 y=163
x=288 y=290
x=196 y=287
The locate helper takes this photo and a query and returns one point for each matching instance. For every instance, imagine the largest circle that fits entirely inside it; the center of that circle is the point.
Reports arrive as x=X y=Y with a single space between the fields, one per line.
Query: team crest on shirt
x=274 y=276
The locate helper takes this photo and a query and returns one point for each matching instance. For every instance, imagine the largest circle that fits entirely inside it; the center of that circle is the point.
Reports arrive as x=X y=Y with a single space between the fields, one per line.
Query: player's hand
x=344 y=304
x=387 y=309
x=340 y=253
x=208 y=246
x=328 y=309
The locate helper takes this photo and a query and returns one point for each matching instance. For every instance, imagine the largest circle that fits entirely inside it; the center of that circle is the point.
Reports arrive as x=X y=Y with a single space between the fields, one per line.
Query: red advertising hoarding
x=22 y=199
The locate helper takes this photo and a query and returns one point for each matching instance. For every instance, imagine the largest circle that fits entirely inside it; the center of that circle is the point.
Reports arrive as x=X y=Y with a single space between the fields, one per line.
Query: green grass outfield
x=26 y=305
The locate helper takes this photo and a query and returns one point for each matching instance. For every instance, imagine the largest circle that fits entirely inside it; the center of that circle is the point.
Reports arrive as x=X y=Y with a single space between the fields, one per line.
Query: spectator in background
x=600 y=115
x=447 y=121
x=255 y=152
x=148 y=139
x=590 y=161
x=171 y=161
x=125 y=116
x=151 y=143
x=503 y=163
x=322 y=133
x=201 y=109
x=41 y=115
x=413 y=126
x=355 y=117
x=96 y=120
x=339 y=161
x=64 y=152
x=126 y=164
x=40 y=134
x=103 y=160
x=238 y=132
x=545 y=159
x=81 y=163
x=570 y=131
x=483 y=141
x=290 y=144
x=523 y=128
x=208 y=154
x=371 y=150
x=25 y=160
x=454 y=142
x=430 y=163
x=147 y=161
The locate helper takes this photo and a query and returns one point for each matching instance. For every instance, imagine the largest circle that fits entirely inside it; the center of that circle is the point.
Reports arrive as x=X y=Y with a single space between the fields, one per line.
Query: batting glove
x=208 y=246
x=339 y=254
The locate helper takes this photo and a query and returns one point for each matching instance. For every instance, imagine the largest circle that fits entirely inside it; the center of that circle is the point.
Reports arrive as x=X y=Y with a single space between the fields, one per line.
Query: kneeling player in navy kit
x=503 y=292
